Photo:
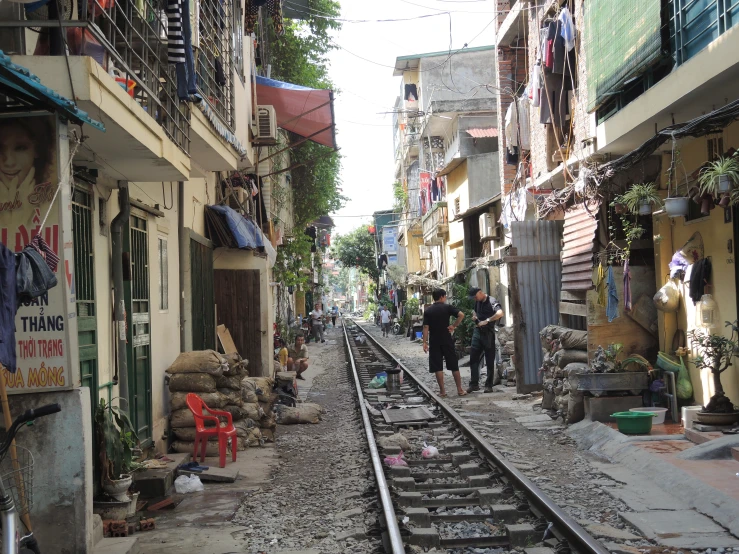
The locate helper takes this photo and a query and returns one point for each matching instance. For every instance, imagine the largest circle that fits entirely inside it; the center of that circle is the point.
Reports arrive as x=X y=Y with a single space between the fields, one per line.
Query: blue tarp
x=245 y=232
x=18 y=82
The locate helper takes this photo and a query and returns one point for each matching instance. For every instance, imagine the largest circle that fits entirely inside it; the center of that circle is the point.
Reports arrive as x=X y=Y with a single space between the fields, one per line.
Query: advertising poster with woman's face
x=28 y=180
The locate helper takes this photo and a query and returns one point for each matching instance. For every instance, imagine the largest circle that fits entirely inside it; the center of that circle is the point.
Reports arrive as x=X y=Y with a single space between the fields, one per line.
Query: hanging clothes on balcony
x=567 y=28
x=220 y=74
x=435 y=196
x=179 y=48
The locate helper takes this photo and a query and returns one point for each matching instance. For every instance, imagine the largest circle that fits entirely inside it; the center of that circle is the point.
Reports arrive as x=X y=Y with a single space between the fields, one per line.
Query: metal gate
x=84 y=273
x=535 y=283
x=203 y=321
x=138 y=306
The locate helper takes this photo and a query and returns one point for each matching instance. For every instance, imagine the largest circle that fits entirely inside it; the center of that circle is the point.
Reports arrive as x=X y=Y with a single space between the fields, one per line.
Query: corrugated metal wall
x=579 y=242
x=538 y=277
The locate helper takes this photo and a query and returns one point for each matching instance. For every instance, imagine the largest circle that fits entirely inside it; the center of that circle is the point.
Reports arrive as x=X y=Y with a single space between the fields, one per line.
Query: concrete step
x=118 y=545
x=155 y=483
x=97 y=529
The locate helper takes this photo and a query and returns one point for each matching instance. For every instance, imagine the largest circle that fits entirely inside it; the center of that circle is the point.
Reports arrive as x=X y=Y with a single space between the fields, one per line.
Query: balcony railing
x=696 y=23
x=435 y=224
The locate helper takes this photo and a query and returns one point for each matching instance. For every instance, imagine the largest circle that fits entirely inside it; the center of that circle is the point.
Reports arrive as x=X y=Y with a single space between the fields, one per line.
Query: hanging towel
x=699 y=276
x=175 y=40
x=612 y=307
x=627 y=287
x=600 y=284
x=567 y=28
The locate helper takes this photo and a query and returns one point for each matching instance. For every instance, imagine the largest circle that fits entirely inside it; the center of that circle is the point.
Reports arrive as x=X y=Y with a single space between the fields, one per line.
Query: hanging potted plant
x=676 y=206
x=116 y=441
x=618 y=204
x=640 y=198
x=718 y=178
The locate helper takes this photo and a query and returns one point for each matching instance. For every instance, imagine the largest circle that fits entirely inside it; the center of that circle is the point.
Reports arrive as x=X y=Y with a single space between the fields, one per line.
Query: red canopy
x=307 y=112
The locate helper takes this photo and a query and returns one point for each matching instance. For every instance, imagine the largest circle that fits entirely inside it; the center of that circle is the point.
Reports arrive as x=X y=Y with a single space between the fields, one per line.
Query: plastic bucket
x=659 y=414
x=419 y=334
x=634 y=423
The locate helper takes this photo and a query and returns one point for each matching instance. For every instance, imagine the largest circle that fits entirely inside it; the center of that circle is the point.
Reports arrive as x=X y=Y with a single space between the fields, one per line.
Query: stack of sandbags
x=565 y=353
x=259 y=400
x=217 y=380
x=303 y=412
x=505 y=345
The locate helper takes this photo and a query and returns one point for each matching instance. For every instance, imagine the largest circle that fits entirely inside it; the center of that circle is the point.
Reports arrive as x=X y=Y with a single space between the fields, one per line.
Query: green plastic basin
x=634 y=423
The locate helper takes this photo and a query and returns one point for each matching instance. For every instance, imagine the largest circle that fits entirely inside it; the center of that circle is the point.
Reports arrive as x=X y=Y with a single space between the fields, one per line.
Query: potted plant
x=676 y=206
x=716 y=353
x=618 y=204
x=116 y=440
x=640 y=198
x=719 y=177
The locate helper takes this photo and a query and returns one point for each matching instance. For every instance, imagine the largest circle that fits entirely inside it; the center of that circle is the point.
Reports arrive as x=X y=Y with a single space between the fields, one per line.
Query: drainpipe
x=182 y=261
x=116 y=232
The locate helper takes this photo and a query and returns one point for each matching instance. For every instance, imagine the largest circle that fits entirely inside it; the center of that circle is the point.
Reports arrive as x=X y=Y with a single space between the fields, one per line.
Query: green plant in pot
x=715 y=354
x=641 y=197
x=116 y=441
x=717 y=178
x=618 y=204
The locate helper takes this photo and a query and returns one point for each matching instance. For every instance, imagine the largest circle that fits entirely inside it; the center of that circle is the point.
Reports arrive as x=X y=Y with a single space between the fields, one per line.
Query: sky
x=367 y=89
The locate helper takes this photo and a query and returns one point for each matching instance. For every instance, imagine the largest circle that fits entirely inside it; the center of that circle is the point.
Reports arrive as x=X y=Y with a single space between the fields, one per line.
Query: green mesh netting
x=622 y=39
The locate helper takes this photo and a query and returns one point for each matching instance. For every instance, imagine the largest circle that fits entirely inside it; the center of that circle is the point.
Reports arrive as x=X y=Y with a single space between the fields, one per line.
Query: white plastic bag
x=429 y=451
x=188 y=483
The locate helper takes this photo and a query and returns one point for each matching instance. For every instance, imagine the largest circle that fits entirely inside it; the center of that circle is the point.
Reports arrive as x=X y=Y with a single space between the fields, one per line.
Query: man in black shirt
x=487 y=311
x=438 y=340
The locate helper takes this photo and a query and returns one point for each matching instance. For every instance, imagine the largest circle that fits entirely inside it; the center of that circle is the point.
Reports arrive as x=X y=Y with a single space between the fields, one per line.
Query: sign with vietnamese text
x=29 y=178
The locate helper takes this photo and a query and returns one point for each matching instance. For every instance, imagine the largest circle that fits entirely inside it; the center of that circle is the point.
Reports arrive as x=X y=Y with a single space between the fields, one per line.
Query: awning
x=487 y=132
x=20 y=84
x=228 y=228
x=307 y=112
x=472 y=209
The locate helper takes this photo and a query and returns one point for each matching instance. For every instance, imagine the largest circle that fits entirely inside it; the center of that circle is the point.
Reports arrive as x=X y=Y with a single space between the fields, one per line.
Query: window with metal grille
x=163 y=275
x=456 y=206
x=215 y=64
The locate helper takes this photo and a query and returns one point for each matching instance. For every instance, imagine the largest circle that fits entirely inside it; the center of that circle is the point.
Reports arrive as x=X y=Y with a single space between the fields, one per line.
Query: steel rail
x=570 y=529
x=396 y=540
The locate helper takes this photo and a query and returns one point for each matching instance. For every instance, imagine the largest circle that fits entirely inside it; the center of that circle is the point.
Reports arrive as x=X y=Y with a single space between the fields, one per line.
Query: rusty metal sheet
x=579 y=240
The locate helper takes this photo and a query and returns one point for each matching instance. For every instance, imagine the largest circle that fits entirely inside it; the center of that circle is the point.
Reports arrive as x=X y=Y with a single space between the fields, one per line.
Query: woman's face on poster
x=17 y=154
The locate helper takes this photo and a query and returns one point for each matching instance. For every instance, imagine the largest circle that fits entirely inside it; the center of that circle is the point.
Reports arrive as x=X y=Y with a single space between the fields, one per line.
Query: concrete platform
x=119 y=545
x=680 y=529
x=201 y=522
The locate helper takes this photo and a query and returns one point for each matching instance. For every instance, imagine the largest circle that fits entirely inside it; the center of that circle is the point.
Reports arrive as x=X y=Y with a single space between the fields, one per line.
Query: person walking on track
x=439 y=342
x=385 y=320
x=487 y=311
x=317 y=319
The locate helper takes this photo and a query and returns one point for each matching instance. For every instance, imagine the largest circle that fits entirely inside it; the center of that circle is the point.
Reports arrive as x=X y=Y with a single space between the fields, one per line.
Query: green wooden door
x=138 y=307
x=203 y=320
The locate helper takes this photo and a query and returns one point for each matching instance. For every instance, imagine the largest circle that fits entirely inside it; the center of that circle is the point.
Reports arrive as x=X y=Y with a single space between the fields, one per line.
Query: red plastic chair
x=202 y=433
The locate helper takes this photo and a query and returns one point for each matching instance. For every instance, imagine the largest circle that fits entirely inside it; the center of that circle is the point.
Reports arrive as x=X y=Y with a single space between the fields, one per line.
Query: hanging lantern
x=708 y=312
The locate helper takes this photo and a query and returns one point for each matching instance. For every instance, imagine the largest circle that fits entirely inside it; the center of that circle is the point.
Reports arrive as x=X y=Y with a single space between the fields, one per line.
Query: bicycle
x=16 y=487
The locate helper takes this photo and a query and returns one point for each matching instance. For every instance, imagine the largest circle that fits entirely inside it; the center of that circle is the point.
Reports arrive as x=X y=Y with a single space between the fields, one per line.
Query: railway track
x=468 y=499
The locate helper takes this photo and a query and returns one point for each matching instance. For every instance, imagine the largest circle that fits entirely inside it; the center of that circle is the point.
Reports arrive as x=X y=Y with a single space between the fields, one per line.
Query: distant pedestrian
x=487 y=311
x=334 y=314
x=439 y=342
x=317 y=322
x=385 y=319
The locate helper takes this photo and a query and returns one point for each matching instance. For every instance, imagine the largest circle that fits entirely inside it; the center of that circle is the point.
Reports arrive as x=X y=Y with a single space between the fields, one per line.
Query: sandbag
x=267 y=407
x=505 y=334
x=188 y=434
x=550 y=333
x=192 y=382
x=199 y=361
x=509 y=348
x=232 y=382
x=268 y=422
x=236 y=365
x=575 y=408
x=302 y=413
x=233 y=397
x=573 y=371
x=667 y=298
x=573 y=339
x=215 y=400
x=249 y=396
x=547 y=400
x=262 y=386
x=240 y=412
x=187 y=447
x=564 y=358
x=252 y=411
x=253 y=438
x=398 y=439
x=182 y=418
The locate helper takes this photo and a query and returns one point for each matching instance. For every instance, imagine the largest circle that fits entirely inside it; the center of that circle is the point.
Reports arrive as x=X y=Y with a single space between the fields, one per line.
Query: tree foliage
x=357 y=249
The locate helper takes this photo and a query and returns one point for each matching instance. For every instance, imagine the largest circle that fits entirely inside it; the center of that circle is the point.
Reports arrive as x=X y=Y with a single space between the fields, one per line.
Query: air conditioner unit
x=486 y=226
x=266 y=128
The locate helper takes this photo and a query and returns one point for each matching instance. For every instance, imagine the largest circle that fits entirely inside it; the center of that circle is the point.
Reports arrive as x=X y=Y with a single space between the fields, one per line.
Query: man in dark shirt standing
x=487 y=311
x=438 y=340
